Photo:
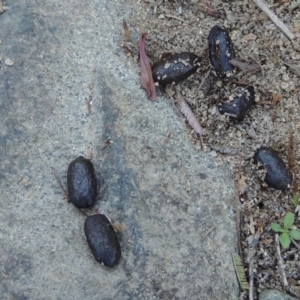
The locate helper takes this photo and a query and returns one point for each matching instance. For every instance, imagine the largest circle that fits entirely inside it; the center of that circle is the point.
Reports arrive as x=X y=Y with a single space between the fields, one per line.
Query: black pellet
x=239 y=104
x=176 y=68
x=102 y=240
x=277 y=174
x=82 y=183
x=221 y=51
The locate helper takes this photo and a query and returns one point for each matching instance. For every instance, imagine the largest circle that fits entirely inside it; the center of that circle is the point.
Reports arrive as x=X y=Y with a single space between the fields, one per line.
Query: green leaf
x=295 y=234
x=284 y=240
x=276 y=227
x=288 y=220
x=295 y=199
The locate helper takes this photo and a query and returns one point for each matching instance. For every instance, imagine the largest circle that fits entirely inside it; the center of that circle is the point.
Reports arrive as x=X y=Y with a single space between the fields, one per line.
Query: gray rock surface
x=176 y=205
x=274 y=295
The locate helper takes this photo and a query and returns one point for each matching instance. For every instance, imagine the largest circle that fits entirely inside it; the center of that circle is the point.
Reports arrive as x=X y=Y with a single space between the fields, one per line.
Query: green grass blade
x=295 y=199
x=240 y=271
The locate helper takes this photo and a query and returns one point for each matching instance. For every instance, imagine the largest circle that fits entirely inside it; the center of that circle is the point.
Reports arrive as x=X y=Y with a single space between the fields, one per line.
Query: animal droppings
x=102 y=240
x=82 y=183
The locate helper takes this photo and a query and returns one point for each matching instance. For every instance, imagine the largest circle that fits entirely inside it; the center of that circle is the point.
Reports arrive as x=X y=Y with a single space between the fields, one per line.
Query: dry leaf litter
x=179 y=26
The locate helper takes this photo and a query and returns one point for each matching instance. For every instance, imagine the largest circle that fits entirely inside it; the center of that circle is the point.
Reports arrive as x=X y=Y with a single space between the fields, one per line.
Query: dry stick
x=237 y=221
x=294 y=69
x=210 y=11
x=201 y=85
x=251 y=279
x=297 y=246
x=262 y=70
x=176 y=18
x=245 y=66
x=60 y=183
x=263 y=6
x=203 y=80
x=280 y=262
x=224 y=149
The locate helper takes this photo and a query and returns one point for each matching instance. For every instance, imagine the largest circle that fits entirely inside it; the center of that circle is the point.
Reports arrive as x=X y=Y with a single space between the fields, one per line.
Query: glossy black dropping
x=102 y=240
x=221 y=51
x=239 y=105
x=82 y=183
x=176 y=68
x=278 y=176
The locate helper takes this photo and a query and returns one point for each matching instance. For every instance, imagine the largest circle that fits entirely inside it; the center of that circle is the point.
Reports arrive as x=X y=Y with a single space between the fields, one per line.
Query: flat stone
x=274 y=295
x=175 y=204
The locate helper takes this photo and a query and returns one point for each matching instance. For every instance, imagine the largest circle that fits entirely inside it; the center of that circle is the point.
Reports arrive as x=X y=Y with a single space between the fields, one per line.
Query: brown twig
x=263 y=6
x=224 y=149
x=262 y=70
x=245 y=66
x=126 y=32
x=106 y=144
x=237 y=221
x=251 y=278
x=280 y=262
x=202 y=83
x=293 y=68
x=292 y=161
x=295 y=244
x=252 y=248
x=60 y=183
x=211 y=11
x=176 y=18
x=239 y=82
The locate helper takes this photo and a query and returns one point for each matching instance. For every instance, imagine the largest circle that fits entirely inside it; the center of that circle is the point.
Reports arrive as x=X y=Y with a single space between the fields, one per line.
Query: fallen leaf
x=126 y=31
x=251 y=225
x=187 y=112
x=242 y=185
x=276 y=98
x=146 y=72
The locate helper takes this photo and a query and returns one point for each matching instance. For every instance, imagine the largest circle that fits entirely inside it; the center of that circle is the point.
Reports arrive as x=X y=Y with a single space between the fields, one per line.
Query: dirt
x=2 y=6
x=178 y=26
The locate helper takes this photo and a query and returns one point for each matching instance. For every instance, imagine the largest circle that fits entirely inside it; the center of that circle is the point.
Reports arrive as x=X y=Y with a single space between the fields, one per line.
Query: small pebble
x=251 y=133
x=9 y=62
x=285 y=85
x=192 y=42
x=219 y=83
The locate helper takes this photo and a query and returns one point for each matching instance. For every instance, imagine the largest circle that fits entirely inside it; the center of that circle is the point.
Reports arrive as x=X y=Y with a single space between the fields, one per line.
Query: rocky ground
x=70 y=81
x=68 y=88
x=177 y=26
